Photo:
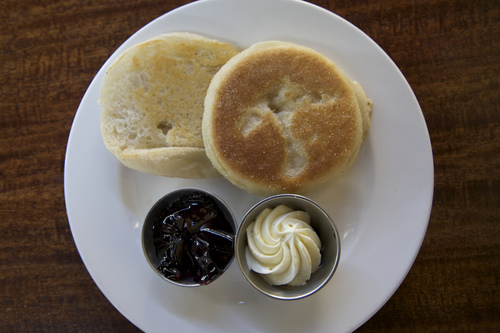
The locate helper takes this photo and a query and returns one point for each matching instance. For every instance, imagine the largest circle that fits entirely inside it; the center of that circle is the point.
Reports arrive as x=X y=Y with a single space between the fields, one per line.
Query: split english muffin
x=282 y=118
x=152 y=104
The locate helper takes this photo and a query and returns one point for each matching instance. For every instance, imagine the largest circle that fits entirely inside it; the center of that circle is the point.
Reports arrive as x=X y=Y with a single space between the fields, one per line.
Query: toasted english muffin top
x=282 y=118
x=152 y=99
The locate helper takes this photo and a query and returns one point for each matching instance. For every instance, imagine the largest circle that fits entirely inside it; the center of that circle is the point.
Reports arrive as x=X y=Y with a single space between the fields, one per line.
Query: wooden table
x=449 y=52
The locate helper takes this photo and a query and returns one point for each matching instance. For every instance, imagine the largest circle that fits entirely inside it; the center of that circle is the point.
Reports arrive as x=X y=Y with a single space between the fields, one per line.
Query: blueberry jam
x=193 y=239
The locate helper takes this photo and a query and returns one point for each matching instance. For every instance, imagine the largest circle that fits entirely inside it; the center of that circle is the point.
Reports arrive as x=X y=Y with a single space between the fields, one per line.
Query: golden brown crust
x=281 y=118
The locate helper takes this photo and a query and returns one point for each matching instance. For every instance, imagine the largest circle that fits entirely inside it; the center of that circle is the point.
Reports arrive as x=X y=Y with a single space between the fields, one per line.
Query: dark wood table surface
x=449 y=51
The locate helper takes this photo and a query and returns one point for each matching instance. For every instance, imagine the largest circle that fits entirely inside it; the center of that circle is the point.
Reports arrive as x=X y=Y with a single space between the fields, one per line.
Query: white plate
x=381 y=207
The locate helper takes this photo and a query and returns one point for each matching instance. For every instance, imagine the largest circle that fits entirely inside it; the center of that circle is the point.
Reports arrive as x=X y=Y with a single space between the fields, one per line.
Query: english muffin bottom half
x=152 y=104
x=283 y=118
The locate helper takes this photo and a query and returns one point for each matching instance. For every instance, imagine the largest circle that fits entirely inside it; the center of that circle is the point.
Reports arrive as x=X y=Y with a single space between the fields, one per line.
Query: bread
x=282 y=118
x=152 y=104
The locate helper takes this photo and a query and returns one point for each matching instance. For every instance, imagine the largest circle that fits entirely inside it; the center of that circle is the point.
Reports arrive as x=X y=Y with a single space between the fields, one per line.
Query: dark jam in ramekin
x=193 y=239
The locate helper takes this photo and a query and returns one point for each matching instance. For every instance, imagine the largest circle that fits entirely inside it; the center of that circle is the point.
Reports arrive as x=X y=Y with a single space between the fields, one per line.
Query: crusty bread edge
x=178 y=162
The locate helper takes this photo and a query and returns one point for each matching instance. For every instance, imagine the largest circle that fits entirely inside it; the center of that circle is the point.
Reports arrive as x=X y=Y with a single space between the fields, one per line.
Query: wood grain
x=448 y=51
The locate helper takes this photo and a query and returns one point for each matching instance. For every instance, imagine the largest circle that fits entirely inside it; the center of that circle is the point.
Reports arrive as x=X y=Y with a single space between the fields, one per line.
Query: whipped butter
x=283 y=247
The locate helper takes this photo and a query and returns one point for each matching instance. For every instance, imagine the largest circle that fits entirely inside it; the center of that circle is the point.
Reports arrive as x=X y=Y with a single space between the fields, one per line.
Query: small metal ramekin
x=147 y=233
x=324 y=227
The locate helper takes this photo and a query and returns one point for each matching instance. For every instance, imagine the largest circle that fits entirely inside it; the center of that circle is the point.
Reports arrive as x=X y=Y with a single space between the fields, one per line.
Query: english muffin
x=283 y=118
x=152 y=104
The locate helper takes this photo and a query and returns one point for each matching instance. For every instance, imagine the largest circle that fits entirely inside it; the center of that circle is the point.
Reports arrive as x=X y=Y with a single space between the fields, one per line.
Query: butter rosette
x=283 y=247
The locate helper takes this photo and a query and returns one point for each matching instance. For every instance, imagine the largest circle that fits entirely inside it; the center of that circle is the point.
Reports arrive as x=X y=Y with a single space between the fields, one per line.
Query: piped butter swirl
x=283 y=247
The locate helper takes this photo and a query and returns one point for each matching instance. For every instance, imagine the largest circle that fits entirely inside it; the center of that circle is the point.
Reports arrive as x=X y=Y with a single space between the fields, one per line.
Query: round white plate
x=381 y=207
